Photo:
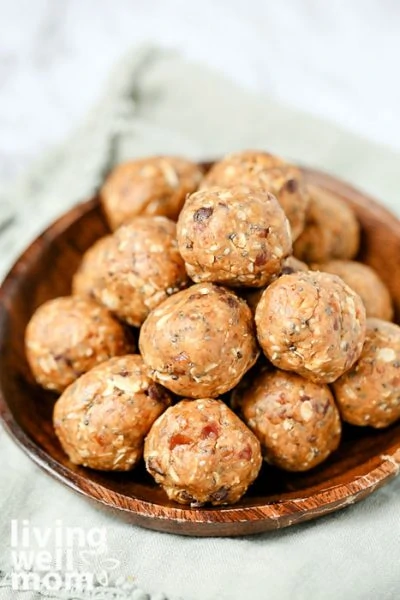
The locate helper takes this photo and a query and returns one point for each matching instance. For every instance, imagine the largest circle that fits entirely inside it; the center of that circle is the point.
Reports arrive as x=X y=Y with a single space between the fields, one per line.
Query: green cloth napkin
x=156 y=102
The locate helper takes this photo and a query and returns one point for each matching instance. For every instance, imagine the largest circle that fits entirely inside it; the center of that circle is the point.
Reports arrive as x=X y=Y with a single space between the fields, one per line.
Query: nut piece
x=331 y=230
x=200 y=342
x=68 y=336
x=311 y=323
x=369 y=394
x=238 y=236
x=289 y=265
x=102 y=419
x=366 y=283
x=150 y=186
x=268 y=172
x=201 y=452
x=141 y=269
x=86 y=277
x=296 y=420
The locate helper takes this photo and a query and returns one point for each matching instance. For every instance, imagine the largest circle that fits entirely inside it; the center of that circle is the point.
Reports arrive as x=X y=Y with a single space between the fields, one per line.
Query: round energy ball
x=237 y=236
x=311 y=323
x=366 y=283
x=201 y=452
x=141 y=269
x=289 y=265
x=295 y=420
x=369 y=394
x=293 y=265
x=102 y=419
x=331 y=230
x=286 y=184
x=234 y=166
x=200 y=342
x=86 y=277
x=150 y=186
x=271 y=174
x=68 y=336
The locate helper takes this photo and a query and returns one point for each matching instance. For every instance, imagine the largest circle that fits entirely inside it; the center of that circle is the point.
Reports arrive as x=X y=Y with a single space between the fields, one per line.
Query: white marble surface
x=336 y=59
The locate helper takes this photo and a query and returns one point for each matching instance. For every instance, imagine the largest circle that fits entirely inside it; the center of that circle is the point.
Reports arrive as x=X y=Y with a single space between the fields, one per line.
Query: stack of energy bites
x=240 y=280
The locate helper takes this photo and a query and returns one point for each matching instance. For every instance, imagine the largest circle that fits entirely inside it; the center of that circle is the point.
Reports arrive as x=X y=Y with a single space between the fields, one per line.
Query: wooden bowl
x=366 y=458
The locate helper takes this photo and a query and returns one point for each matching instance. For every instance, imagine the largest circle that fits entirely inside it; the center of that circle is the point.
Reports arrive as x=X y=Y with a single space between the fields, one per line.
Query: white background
x=335 y=58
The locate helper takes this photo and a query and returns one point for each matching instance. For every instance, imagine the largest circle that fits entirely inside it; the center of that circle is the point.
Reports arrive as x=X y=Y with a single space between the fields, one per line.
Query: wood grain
x=366 y=458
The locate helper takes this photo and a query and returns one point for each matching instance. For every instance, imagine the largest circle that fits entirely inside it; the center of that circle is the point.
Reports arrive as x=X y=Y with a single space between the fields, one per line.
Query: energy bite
x=311 y=323
x=250 y=163
x=369 y=394
x=150 y=186
x=201 y=452
x=331 y=230
x=295 y=420
x=68 y=336
x=86 y=277
x=268 y=172
x=141 y=269
x=102 y=419
x=200 y=342
x=293 y=265
x=289 y=265
x=366 y=283
x=237 y=236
